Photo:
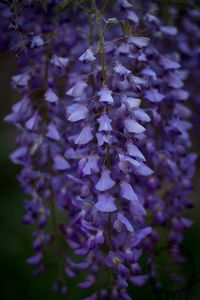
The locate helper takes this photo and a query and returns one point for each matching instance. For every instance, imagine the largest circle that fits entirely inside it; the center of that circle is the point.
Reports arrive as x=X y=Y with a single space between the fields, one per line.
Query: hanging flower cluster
x=104 y=142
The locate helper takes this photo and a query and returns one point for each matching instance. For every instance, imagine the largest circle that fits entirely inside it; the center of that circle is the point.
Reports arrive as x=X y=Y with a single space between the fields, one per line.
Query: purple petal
x=154 y=95
x=59 y=61
x=143 y=170
x=50 y=96
x=105 y=95
x=139 y=280
x=130 y=160
x=119 y=68
x=85 y=136
x=37 y=41
x=132 y=103
x=87 y=56
x=78 y=89
x=180 y=95
x=133 y=126
x=141 y=115
x=35 y=259
x=132 y=16
x=77 y=112
x=173 y=80
x=149 y=72
x=104 y=123
x=122 y=219
x=127 y=191
x=32 y=122
x=60 y=163
x=140 y=42
x=105 y=203
x=18 y=155
x=169 y=64
x=105 y=182
x=134 y=151
x=52 y=132
x=89 y=281
x=91 y=165
x=169 y=30
x=21 y=79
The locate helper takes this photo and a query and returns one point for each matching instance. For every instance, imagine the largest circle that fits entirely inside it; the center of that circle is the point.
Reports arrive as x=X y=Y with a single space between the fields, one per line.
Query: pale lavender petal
x=127 y=191
x=122 y=219
x=78 y=89
x=169 y=30
x=180 y=95
x=141 y=115
x=143 y=170
x=173 y=80
x=85 y=136
x=105 y=182
x=169 y=64
x=134 y=151
x=130 y=160
x=17 y=155
x=32 y=122
x=21 y=79
x=104 y=123
x=50 y=96
x=37 y=41
x=132 y=16
x=133 y=126
x=131 y=103
x=77 y=112
x=119 y=68
x=60 y=163
x=87 y=56
x=59 y=61
x=52 y=132
x=105 y=95
x=91 y=166
x=149 y=72
x=154 y=95
x=140 y=42
x=106 y=203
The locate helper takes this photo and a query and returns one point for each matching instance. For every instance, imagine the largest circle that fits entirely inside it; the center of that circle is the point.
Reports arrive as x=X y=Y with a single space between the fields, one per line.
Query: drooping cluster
x=104 y=143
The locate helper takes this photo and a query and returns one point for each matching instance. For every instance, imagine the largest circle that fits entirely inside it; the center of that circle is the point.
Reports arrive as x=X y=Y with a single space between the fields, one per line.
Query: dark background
x=17 y=281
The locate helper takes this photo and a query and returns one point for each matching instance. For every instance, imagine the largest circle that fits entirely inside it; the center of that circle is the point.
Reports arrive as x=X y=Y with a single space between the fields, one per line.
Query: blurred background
x=17 y=281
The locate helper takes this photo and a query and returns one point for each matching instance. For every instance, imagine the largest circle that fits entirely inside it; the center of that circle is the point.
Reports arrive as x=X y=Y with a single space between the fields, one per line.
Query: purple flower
x=154 y=95
x=127 y=191
x=59 y=61
x=60 y=163
x=21 y=79
x=105 y=182
x=104 y=123
x=52 y=132
x=87 y=56
x=50 y=96
x=78 y=89
x=85 y=136
x=140 y=42
x=133 y=126
x=77 y=112
x=105 y=95
x=106 y=203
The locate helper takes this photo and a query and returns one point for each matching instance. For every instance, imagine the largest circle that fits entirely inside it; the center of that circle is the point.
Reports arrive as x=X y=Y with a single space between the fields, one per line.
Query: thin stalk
x=103 y=63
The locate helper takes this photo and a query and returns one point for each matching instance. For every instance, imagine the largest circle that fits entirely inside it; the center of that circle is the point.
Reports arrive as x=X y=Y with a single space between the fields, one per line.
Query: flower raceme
x=103 y=128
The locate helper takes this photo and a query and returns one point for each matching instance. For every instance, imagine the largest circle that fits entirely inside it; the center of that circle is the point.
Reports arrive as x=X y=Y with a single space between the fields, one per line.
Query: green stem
x=101 y=39
x=101 y=32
